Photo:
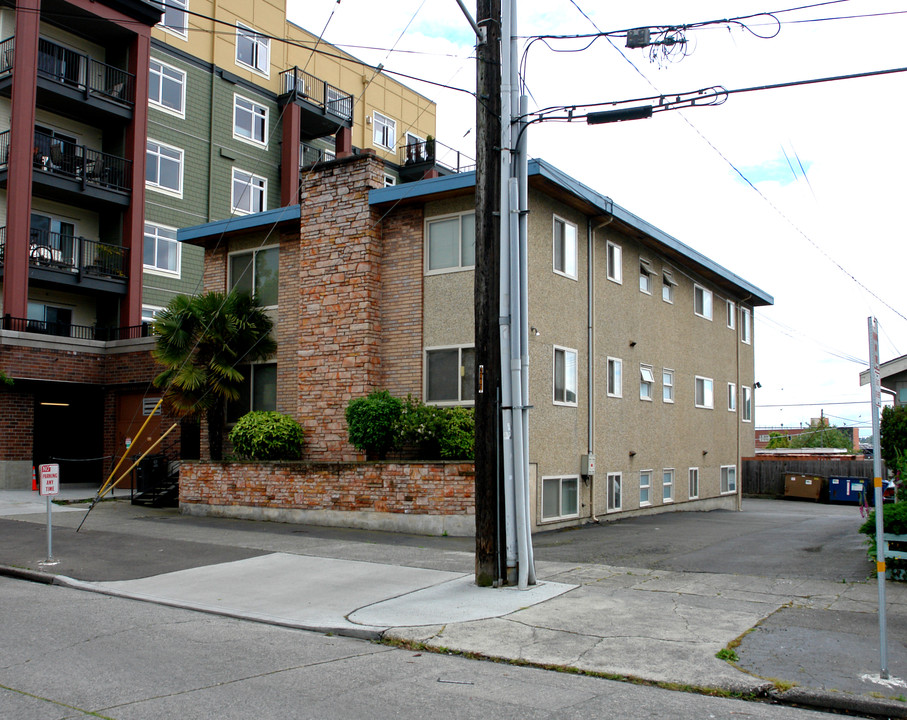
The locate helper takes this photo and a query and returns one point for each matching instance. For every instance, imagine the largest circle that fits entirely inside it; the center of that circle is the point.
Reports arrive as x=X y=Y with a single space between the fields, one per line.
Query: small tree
x=822 y=436
x=777 y=440
x=893 y=433
x=201 y=340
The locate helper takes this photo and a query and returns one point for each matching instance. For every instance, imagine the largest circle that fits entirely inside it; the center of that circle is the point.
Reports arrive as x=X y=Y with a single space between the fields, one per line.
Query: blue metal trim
x=239 y=223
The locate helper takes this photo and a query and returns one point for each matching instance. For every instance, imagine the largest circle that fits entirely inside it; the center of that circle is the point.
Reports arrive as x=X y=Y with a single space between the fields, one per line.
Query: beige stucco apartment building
x=641 y=348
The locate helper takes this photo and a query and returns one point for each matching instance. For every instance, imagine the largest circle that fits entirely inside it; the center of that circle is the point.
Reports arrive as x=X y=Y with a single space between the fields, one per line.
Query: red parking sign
x=50 y=480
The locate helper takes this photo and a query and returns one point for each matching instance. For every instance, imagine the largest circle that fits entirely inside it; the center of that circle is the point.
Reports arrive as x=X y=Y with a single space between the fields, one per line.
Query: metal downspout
x=590 y=349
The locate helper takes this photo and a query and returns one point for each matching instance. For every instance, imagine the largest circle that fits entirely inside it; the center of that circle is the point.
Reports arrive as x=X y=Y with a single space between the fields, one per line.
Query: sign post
x=49 y=486
x=875 y=382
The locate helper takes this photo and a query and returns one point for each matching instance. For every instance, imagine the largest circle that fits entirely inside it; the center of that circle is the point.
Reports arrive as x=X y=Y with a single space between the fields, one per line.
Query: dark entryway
x=69 y=431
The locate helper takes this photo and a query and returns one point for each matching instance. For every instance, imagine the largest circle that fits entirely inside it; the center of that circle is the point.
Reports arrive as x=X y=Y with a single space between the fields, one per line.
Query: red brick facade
x=445 y=488
x=125 y=367
x=401 y=302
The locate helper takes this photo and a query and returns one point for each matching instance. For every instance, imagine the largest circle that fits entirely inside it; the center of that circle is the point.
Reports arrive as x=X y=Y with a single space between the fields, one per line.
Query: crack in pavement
x=255 y=676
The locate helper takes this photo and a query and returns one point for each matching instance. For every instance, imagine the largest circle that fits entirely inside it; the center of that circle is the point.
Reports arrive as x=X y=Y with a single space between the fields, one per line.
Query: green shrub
x=438 y=432
x=267 y=436
x=894 y=522
x=372 y=423
x=457 y=436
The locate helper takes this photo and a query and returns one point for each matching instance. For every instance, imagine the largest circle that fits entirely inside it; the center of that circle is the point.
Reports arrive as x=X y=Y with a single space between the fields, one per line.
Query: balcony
x=310 y=155
x=420 y=158
x=55 y=258
x=77 y=332
x=325 y=108
x=71 y=83
x=74 y=174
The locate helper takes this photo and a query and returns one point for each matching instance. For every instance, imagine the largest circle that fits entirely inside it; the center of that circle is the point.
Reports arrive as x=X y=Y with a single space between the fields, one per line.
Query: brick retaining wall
x=429 y=498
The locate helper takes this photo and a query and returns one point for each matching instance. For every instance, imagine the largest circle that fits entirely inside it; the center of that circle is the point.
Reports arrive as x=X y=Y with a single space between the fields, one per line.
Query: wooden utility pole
x=489 y=506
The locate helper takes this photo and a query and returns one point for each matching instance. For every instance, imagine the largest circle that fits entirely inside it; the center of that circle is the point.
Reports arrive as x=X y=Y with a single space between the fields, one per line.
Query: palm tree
x=201 y=340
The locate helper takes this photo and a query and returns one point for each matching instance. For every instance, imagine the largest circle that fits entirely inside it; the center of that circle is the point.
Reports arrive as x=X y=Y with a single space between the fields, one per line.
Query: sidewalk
x=800 y=641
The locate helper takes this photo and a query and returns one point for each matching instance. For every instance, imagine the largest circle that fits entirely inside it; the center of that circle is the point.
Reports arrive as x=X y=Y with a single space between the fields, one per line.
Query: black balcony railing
x=436 y=153
x=72 y=254
x=7 y=50
x=84 y=73
x=309 y=155
x=60 y=156
x=78 y=332
x=302 y=85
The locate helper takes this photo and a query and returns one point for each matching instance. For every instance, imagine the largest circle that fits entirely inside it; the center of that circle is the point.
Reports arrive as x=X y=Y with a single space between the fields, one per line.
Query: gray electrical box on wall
x=587 y=463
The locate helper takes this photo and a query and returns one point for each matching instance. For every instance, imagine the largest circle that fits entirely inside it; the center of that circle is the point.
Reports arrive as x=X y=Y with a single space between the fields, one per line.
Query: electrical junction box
x=587 y=463
x=638 y=38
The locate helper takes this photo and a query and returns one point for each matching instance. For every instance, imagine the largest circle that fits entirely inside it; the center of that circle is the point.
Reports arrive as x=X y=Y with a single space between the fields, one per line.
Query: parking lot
x=770 y=538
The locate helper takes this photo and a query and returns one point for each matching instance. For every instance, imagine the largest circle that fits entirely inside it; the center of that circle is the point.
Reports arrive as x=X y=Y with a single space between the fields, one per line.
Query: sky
x=798 y=190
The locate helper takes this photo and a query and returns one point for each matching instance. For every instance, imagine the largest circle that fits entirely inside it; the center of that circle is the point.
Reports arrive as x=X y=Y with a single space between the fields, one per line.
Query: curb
x=25 y=574
x=360 y=633
x=824 y=700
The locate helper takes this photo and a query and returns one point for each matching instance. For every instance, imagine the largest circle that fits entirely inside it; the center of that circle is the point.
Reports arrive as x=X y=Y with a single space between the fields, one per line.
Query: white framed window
x=148 y=314
x=728 y=479
x=746 y=327
x=451 y=243
x=731 y=314
x=565 y=376
x=646 y=276
x=415 y=149
x=702 y=302
x=389 y=180
x=667 y=286
x=746 y=399
x=615 y=381
x=645 y=487
x=704 y=394
x=646 y=383
x=667 y=485
x=614 y=261
x=614 y=500
x=564 y=240
x=250 y=121
x=384 y=131
x=667 y=385
x=164 y=168
x=694 y=483
x=732 y=397
x=253 y=50
x=450 y=375
x=249 y=194
x=161 y=251
x=256 y=272
x=175 y=18
x=257 y=392
x=560 y=497
x=167 y=88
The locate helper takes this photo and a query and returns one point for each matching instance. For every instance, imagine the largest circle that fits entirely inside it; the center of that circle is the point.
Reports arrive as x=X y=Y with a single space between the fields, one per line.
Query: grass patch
x=728 y=655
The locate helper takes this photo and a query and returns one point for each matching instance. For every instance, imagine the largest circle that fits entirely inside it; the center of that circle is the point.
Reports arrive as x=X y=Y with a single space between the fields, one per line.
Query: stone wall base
x=15 y=475
x=453 y=525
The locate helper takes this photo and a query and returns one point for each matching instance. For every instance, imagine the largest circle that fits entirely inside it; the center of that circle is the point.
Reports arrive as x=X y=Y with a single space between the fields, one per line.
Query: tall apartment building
x=120 y=123
x=641 y=348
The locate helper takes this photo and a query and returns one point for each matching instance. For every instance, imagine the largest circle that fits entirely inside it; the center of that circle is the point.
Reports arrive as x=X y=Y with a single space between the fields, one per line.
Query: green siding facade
x=210 y=153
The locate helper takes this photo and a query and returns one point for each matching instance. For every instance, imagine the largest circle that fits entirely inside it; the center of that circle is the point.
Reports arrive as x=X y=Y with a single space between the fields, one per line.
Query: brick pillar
x=343 y=143
x=289 y=155
x=21 y=140
x=338 y=341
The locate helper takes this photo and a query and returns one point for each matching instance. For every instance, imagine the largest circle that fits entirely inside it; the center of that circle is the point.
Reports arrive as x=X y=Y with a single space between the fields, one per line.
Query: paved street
x=66 y=654
x=648 y=599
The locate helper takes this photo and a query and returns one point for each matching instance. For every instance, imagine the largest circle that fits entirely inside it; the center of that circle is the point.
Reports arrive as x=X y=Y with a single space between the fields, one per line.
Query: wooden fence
x=765 y=476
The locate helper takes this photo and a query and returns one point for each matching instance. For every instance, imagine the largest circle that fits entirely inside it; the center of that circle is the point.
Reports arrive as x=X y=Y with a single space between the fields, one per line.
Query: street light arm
x=480 y=32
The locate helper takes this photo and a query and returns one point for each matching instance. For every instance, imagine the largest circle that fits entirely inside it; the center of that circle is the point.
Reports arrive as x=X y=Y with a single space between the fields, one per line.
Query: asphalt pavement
x=659 y=611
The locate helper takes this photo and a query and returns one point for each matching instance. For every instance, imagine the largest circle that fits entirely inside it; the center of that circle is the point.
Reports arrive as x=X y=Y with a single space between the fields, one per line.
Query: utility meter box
x=587 y=464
